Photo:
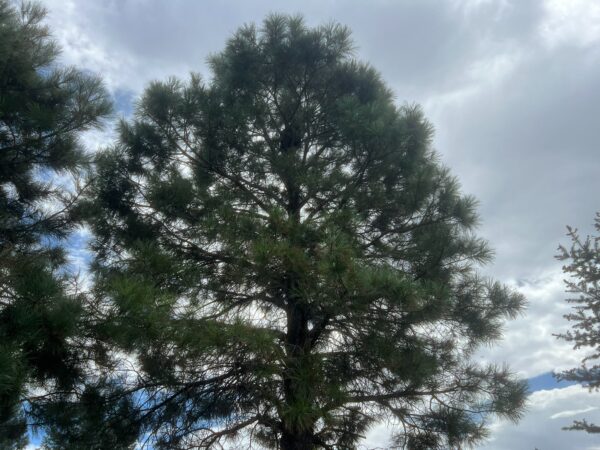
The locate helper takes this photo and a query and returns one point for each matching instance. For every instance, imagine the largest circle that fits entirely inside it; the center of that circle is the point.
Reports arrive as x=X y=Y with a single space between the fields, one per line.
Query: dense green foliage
x=42 y=109
x=280 y=256
x=583 y=269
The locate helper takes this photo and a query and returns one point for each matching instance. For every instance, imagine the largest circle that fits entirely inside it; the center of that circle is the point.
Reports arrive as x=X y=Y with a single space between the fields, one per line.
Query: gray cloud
x=512 y=87
x=528 y=146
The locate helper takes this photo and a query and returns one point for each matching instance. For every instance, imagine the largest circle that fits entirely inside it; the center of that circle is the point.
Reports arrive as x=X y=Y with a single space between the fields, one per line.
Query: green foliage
x=583 y=269
x=100 y=417
x=280 y=253
x=42 y=109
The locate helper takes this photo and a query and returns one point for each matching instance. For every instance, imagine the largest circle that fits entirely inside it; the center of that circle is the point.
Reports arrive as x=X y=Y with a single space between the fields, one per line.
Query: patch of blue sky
x=77 y=245
x=547 y=381
x=35 y=440
x=123 y=100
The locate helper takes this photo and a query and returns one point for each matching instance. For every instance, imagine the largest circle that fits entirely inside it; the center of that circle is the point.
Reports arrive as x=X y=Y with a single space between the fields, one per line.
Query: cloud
x=512 y=87
x=529 y=344
x=547 y=411
x=540 y=428
x=526 y=146
x=576 y=412
x=576 y=22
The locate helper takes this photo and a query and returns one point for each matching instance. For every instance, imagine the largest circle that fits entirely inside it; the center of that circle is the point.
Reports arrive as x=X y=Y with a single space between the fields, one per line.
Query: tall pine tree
x=42 y=110
x=583 y=268
x=281 y=256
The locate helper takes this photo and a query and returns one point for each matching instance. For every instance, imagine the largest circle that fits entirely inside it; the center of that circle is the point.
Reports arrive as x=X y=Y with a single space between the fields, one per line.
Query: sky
x=513 y=90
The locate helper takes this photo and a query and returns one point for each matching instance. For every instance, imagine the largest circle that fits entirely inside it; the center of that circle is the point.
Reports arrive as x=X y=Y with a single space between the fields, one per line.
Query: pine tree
x=42 y=108
x=281 y=256
x=583 y=268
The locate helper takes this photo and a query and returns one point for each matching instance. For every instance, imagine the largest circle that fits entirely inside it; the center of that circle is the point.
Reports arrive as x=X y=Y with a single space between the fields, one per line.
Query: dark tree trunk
x=294 y=435
x=297 y=441
x=295 y=390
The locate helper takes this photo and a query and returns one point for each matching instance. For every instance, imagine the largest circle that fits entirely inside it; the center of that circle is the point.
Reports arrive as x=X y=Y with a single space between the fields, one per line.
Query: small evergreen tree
x=583 y=268
x=42 y=108
x=280 y=255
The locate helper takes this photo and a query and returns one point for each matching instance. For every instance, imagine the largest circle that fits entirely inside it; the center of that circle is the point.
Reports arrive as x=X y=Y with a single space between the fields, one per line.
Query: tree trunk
x=295 y=436
x=297 y=441
x=298 y=432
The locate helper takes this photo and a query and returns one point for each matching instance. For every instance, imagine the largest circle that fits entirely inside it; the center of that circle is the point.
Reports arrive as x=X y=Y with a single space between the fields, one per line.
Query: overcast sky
x=513 y=89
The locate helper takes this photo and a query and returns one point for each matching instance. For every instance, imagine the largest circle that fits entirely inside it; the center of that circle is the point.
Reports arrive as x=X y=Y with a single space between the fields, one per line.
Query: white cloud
x=540 y=428
x=542 y=425
x=378 y=437
x=572 y=22
x=89 y=39
x=571 y=413
x=529 y=344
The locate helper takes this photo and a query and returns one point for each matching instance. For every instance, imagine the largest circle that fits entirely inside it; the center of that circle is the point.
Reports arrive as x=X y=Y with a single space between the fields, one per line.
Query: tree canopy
x=43 y=107
x=280 y=256
x=583 y=269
